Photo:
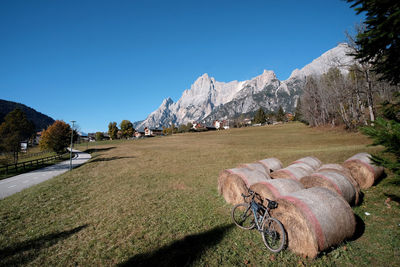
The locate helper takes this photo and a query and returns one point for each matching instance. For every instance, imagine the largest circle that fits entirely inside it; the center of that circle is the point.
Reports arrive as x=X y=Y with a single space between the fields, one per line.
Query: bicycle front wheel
x=242 y=216
x=273 y=234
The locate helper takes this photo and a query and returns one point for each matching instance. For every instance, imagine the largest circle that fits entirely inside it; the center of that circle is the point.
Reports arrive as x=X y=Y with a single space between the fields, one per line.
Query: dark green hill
x=40 y=120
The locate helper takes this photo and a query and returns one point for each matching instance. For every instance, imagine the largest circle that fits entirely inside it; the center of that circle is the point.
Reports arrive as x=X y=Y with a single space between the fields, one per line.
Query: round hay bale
x=334 y=181
x=233 y=182
x=333 y=166
x=304 y=166
x=346 y=172
x=311 y=161
x=290 y=172
x=273 y=164
x=273 y=189
x=363 y=170
x=315 y=219
x=255 y=166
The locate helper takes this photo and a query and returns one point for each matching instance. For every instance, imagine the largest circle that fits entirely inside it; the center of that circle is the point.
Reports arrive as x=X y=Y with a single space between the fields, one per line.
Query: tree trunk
x=370 y=100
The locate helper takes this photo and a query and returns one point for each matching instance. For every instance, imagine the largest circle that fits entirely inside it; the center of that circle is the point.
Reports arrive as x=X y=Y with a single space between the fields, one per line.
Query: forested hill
x=40 y=120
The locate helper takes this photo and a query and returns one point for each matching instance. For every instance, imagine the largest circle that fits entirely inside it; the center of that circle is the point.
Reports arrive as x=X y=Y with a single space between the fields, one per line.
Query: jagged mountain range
x=208 y=99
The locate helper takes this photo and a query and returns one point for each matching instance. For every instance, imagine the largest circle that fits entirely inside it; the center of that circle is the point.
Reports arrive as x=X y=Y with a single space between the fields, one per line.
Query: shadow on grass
x=360 y=228
x=182 y=252
x=394 y=198
x=394 y=182
x=92 y=150
x=380 y=178
x=110 y=159
x=27 y=251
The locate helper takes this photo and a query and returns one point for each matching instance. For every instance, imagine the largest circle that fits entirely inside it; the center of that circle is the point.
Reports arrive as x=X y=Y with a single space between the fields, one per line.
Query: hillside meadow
x=154 y=201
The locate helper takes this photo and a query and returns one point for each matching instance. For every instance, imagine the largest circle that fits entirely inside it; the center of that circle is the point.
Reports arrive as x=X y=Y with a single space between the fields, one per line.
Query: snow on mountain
x=208 y=99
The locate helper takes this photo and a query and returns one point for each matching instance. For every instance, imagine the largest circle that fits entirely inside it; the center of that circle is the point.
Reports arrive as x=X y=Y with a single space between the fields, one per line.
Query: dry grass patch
x=146 y=201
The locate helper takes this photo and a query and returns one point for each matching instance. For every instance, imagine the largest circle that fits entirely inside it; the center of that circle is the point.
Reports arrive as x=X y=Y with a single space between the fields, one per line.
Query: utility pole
x=70 y=149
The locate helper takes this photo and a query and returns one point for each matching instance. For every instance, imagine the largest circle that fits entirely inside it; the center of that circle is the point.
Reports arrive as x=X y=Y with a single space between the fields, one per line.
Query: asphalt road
x=17 y=183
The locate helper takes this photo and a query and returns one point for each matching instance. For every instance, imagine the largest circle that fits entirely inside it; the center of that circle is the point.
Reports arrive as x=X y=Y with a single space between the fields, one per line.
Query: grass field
x=154 y=202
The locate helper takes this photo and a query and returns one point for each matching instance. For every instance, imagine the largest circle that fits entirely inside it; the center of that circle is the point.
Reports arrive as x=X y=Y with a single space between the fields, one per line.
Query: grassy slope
x=156 y=201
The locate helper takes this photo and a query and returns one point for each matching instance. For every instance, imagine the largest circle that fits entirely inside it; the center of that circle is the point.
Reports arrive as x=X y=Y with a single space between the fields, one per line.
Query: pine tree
x=380 y=42
x=386 y=132
x=297 y=114
x=280 y=115
x=260 y=116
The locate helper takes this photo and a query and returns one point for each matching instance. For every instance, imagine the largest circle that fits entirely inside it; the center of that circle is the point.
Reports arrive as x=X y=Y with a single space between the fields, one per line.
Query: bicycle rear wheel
x=273 y=234
x=242 y=216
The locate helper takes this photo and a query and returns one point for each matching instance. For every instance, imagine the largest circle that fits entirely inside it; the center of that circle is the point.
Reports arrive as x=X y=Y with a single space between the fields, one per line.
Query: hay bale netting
x=304 y=166
x=233 y=182
x=363 y=170
x=311 y=161
x=332 y=167
x=315 y=219
x=335 y=167
x=290 y=172
x=334 y=181
x=255 y=166
x=273 y=189
x=273 y=164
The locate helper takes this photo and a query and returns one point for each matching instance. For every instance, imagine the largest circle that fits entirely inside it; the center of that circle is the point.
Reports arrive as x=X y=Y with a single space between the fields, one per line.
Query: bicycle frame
x=258 y=218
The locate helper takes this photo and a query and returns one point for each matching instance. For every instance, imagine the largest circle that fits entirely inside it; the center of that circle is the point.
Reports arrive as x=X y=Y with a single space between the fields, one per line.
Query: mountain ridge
x=40 y=120
x=206 y=98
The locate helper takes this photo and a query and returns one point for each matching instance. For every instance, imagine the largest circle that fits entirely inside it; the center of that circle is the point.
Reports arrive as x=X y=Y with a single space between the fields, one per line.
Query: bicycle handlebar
x=251 y=193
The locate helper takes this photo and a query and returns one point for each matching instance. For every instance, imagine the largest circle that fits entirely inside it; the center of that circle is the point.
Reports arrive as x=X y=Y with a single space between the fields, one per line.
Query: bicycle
x=250 y=215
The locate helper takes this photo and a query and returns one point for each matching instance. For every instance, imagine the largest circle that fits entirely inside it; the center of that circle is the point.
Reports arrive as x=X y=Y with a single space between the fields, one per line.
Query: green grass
x=155 y=201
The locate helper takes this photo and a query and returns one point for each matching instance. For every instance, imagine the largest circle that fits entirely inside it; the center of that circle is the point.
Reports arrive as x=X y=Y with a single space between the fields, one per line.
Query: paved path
x=17 y=183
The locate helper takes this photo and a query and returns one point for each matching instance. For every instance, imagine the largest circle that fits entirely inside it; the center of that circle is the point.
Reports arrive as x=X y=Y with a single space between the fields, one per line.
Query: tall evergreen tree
x=280 y=115
x=386 y=132
x=297 y=112
x=380 y=42
x=260 y=116
x=380 y=45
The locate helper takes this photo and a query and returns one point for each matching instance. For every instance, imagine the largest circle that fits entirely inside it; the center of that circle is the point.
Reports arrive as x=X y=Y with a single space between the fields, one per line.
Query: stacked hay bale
x=298 y=169
x=363 y=170
x=334 y=181
x=290 y=172
x=272 y=164
x=256 y=166
x=315 y=219
x=273 y=189
x=313 y=162
x=234 y=182
x=346 y=172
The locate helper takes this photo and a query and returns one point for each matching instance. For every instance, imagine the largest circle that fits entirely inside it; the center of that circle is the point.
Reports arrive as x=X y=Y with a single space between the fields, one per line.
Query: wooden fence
x=26 y=164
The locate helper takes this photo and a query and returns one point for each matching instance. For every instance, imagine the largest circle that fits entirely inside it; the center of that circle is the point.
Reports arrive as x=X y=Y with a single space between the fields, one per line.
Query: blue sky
x=102 y=61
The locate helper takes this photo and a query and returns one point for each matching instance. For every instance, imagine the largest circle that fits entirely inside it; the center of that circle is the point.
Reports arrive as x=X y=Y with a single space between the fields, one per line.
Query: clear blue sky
x=102 y=61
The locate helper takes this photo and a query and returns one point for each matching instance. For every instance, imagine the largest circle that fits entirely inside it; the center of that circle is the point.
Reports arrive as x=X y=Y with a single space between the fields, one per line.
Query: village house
x=152 y=132
x=221 y=124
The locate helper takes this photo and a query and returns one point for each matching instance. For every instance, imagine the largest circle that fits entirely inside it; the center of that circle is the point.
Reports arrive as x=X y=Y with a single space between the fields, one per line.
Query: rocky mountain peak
x=208 y=99
x=335 y=57
x=166 y=102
